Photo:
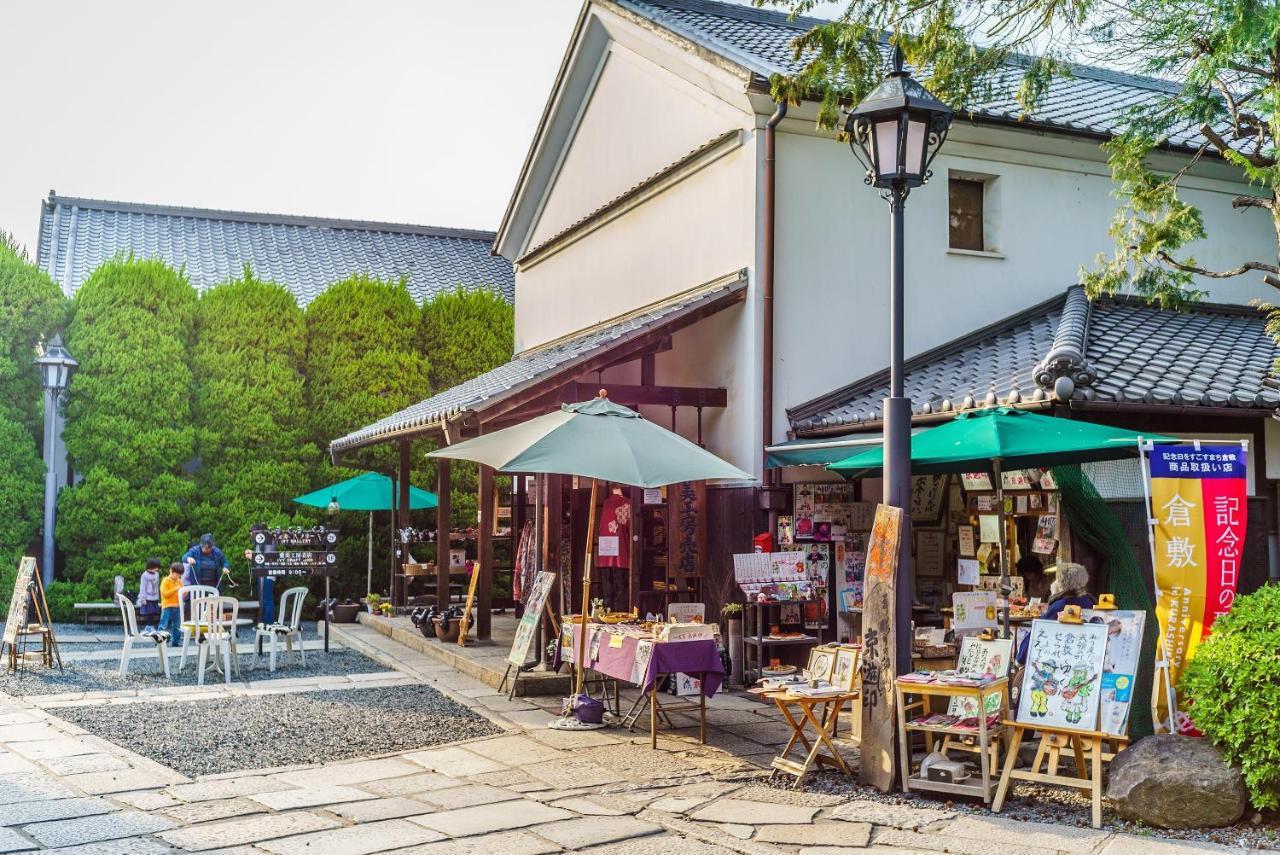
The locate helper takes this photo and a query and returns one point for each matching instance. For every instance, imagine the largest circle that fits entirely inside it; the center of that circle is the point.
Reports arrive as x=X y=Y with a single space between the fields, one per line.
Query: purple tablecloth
x=700 y=656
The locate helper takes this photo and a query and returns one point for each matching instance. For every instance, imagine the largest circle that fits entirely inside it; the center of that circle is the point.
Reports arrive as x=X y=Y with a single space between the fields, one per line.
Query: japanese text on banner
x=1198 y=502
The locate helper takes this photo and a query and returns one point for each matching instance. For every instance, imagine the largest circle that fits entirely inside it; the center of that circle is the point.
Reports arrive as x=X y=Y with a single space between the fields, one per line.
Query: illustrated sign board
x=1065 y=662
x=982 y=657
x=19 y=600
x=527 y=628
x=1120 y=669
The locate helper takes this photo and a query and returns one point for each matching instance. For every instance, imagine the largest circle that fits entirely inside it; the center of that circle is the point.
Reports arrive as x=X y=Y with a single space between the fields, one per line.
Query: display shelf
x=988 y=737
x=766 y=641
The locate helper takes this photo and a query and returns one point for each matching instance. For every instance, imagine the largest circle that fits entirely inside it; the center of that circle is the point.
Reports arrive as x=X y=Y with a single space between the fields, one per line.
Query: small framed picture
x=845 y=670
x=821 y=662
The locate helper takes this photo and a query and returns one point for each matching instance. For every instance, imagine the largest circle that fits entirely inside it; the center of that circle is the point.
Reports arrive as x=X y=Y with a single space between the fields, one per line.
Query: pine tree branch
x=1253 y=202
x=1217 y=274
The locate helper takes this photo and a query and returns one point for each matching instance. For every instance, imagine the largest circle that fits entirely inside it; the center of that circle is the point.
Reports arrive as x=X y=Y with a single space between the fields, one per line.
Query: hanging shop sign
x=294 y=551
x=1198 y=510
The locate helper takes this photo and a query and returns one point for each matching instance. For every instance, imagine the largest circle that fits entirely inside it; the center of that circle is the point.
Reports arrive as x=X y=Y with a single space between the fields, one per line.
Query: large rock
x=1174 y=781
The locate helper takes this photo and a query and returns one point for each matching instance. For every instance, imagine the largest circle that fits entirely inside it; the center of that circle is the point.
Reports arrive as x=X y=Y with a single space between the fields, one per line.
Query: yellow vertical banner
x=1178 y=506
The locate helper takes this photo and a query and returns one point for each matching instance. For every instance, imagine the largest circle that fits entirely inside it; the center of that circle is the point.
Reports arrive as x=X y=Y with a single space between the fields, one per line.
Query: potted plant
x=732 y=614
x=373 y=602
x=386 y=609
x=345 y=612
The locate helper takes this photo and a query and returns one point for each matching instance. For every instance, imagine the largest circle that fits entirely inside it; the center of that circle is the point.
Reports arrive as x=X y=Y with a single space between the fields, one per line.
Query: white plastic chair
x=291 y=610
x=191 y=630
x=129 y=619
x=216 y=617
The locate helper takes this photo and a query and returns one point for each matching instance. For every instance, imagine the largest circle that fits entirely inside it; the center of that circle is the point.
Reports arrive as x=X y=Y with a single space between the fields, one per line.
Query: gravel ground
x=100 y=675
x=219 y=736
x=75 y=638
x=1057 y=805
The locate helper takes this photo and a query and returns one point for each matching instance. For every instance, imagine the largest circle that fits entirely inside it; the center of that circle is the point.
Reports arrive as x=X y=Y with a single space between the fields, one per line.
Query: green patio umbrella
x=991 y=440
x=371 y=491
x=600 y=440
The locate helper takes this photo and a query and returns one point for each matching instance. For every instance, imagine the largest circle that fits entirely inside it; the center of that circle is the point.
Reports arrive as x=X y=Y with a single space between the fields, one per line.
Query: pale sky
x=417 y=112
x=413 y=111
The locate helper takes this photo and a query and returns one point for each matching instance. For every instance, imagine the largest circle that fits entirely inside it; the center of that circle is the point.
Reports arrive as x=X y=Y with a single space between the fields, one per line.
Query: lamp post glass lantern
x=895 y=133
x=55 y=366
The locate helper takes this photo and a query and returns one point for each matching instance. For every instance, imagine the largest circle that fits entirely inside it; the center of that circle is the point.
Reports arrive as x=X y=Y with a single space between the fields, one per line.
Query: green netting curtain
x=1096 y=524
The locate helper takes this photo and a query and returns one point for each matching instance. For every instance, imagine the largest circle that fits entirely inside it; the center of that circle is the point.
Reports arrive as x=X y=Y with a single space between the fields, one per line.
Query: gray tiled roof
x=1093 y=100
x=305 y=254
x=565 y=356
x=1115 y=351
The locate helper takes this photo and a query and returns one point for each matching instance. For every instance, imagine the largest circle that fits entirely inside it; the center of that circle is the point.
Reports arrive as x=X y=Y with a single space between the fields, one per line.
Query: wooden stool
x=824 y=726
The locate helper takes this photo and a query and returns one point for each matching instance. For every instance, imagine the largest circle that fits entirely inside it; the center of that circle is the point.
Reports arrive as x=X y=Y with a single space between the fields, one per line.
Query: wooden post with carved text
x=878 y=645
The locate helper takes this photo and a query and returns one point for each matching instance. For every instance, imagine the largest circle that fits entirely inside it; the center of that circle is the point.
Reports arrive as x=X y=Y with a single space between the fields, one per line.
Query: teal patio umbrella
x=600 y=440
x=998 y=438
x=371 y=491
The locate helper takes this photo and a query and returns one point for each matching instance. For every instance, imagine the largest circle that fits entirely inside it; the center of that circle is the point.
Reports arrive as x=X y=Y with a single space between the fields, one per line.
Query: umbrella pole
x=368 y=576
x=1004 y=547
x=586 y=590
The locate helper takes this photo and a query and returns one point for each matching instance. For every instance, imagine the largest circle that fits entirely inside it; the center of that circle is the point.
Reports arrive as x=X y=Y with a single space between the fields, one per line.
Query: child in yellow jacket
x=170 y=617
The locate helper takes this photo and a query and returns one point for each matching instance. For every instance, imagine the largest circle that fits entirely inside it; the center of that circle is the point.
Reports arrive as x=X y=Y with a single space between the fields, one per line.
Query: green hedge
x=32 y=308
x=362 y=364
x=129 y=422
x=250 y=410
x=465 y=332
x=1232 y=691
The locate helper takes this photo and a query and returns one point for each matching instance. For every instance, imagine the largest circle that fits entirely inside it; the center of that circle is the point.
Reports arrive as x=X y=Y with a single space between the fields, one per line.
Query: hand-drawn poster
x=19 y=601
x=982 y=657
x=929 y=553
x=927 y=495
x=967 y=571
x=527 y=628
x=966 y=541
x=973 y=609
x=1064 y=672
x=1120 y=668
x=879 y=640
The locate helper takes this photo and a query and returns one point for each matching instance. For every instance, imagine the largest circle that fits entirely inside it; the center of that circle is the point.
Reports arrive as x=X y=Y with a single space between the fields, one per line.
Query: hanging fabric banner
x=1198 y=513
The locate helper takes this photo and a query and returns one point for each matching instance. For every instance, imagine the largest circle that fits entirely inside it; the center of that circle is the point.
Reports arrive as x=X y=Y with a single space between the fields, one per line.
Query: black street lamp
x=55 y=365
x=898 y=128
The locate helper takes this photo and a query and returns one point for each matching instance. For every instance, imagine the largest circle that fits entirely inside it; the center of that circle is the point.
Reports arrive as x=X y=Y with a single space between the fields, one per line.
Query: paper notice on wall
x=965 y=534
x=652 y=496
x=989 y=528
x=1044 y=546
x=608 y=546
x=975 y=481
x=967 y=571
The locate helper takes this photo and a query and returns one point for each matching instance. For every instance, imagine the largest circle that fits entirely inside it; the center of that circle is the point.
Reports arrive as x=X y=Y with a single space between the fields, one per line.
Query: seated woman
x=1070 y=588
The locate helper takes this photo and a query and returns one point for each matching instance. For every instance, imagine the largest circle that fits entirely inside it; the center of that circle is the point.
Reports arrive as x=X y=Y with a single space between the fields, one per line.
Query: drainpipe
x=766 y=279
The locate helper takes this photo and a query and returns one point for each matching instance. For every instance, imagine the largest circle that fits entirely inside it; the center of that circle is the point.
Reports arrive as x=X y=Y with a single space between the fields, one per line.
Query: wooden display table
x=822 y=716
x=984 y=734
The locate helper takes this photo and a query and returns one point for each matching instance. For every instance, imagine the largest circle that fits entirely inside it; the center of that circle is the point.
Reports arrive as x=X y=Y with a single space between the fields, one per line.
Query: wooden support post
x=444 y=484
x=399 y=596
x=554 y=502
x=635 y=547
x=484 y=592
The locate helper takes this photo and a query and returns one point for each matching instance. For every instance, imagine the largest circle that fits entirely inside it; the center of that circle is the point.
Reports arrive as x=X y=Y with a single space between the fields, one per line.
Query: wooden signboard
x=19 y=601
x=464 y=622
x=879 y=648
x=687 y=533
x=527 y=628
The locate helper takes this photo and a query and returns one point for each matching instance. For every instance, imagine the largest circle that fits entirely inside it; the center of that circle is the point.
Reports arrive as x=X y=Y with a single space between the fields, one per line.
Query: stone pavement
x=528 y=791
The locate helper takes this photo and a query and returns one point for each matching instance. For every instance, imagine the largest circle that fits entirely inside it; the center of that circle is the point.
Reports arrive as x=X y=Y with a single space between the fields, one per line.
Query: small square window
x=965 y=214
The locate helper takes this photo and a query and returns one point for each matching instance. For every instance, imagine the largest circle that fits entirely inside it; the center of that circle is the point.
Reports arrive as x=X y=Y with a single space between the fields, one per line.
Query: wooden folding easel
x=1085 y=745
x=28 y=591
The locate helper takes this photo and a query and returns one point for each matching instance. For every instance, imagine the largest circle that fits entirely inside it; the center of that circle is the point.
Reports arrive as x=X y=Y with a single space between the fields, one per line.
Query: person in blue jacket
x=203 y=563
x=1070 y=588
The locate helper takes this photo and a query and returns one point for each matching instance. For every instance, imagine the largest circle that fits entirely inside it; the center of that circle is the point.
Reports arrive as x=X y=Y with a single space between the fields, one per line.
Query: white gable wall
x=639 y=119
x=1055 y=206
